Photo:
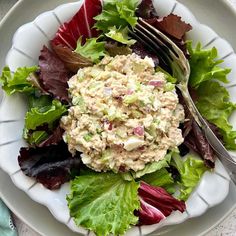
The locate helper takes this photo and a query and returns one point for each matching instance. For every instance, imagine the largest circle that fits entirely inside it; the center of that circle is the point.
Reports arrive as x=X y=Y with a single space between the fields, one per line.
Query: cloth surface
x=7 y=227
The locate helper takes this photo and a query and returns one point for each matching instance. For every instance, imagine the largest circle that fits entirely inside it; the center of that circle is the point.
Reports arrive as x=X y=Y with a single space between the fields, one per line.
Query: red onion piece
x=156 y=83
x=139 y=131
x=129 y=92
x=110 y=126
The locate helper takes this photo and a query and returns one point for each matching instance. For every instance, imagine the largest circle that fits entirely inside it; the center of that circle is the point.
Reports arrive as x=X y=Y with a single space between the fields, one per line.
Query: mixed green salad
x=104 y=113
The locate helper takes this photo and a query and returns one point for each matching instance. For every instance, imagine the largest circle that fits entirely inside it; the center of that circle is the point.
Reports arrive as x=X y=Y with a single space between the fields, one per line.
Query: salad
x=123 y=116
x=104 y=113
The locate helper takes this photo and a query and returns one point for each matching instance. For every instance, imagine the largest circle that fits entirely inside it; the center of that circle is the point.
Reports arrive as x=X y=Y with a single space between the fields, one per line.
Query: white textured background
x=227 y=227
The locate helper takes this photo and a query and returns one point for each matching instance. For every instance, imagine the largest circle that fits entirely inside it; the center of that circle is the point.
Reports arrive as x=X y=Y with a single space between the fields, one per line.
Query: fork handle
x=190 y=104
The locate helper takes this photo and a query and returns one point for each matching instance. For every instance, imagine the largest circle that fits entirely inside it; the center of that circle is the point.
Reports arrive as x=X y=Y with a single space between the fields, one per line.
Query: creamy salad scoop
x=124 y=114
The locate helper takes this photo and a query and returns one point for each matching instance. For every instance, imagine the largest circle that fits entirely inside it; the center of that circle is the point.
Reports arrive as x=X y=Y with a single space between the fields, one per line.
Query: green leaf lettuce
x=154 y=166
x=205 y=71
x=42 y=111
x=115 y=19
x=91 y=49
x=191 y=171
x=104 y=203
x=39 y=101
x=18 y=81
x=212 y=94
x=120 y=35
x=38 y=116
x=161 y=178
x=205 y=66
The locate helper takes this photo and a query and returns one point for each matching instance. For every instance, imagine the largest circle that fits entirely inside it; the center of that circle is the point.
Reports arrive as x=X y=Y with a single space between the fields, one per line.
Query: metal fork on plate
x=171 y=55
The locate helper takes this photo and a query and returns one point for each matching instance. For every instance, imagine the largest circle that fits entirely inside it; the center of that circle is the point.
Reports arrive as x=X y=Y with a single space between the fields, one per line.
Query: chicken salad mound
x=123 y=114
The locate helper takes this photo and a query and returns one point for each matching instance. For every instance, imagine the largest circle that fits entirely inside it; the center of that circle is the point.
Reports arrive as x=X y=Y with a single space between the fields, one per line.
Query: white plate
x=29 y=183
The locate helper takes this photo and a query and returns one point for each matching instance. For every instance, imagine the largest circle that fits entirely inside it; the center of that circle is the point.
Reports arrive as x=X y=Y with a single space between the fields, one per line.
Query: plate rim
x=33 y=188
x=2 y=22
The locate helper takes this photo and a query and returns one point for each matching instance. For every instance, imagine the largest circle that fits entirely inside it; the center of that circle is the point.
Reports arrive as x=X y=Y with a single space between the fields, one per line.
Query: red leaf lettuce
x=51 y=166
x=53 y=74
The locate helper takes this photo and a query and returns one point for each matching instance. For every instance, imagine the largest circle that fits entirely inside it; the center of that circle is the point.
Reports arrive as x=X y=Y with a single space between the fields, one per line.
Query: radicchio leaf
x=80 y=25
x=156 y=204
x=51 y=166
x=53 y=74
x=72 y=60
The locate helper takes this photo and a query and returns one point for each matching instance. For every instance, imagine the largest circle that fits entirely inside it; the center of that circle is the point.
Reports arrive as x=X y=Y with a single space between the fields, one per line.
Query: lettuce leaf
x=38 y=116
x=39 y=101
x=52 y=139
x=52 y=166
x=18 y=81
x=191 y=171
x=72 y=60
x=41 y=121
x=117 y=13
x=212 y=94
x=104 y=203
x=156 y=204
x=204 y=66
x=91 y=49
x=205 y=71
x=53 y=75
x=36 y=137
x=154 y=166
x=161 y=178
x=120 y=35
x=115 y=18
x=43 y=112
x=113 y=48
x=80 y=25
x=171 y=25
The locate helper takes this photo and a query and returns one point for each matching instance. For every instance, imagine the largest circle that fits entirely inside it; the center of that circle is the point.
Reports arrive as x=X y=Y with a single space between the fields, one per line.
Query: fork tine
x=168 y=52
x=140 y=36
x=160 y=37
x=150 y=39
x=178 y=64
x=136 y=36
x=181 y=67
x=175 y=52
x=161 y=45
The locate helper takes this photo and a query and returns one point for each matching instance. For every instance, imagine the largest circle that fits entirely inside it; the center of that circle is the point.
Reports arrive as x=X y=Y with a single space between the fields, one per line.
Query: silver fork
x=170 y=54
